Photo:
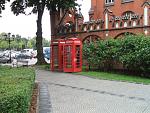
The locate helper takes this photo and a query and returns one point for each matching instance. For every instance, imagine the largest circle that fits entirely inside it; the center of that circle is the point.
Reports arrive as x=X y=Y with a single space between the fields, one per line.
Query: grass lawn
x=117 y=77
x=44 y=67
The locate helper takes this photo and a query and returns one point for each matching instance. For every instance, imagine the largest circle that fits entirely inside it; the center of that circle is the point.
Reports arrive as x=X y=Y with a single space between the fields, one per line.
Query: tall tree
x=19 y=6
x=2 y=5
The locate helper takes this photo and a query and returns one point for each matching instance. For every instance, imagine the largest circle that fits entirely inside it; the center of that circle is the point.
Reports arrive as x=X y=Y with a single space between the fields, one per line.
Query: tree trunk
x=39 y=47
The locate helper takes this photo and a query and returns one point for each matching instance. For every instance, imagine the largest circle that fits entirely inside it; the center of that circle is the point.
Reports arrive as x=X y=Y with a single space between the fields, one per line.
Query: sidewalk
x=67 y=93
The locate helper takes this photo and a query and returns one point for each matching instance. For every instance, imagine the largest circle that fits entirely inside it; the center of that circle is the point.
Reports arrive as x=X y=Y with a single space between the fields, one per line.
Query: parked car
x=6 y=53
x=15 y=53
x=27 y=52
x=23 y=56
x=34 y=53
x=4 y=59
x=46 y=52
x=1 y=53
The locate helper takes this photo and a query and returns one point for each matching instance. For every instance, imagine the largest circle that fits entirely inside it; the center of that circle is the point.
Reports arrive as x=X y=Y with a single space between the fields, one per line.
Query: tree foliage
x=19 y=6
x=20 y=42
x=38 y=6
x=2 y=5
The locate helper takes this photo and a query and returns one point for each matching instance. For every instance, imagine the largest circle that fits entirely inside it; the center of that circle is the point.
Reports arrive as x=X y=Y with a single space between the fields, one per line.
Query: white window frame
x=109 y=1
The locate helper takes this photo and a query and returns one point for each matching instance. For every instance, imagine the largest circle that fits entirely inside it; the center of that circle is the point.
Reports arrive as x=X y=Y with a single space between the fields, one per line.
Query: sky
x=26 y=25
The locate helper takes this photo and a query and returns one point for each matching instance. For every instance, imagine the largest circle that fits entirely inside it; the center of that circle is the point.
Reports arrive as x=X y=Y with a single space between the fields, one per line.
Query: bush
x=135 y=53
x=89 y=53
x=16 y=89
x=132 y=51
x=101 y=53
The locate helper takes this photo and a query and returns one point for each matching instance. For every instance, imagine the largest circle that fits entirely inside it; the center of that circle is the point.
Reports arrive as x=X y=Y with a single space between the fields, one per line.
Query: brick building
x=107 y=19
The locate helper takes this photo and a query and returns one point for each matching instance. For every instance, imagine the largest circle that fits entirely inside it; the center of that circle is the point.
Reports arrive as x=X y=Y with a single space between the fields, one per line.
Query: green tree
x=46 y=43
x=32 y=43
x=19 y=6
x=3 y=45
x=25 y=42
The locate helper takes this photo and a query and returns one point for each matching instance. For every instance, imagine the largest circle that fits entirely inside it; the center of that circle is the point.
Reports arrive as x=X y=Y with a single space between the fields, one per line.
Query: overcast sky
x=26 y=25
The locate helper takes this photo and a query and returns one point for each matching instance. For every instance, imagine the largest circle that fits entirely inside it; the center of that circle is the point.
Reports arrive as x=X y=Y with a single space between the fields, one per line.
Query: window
x=117 y=25
x=134 y=23
x=125 y=24
x=126 y=1
x=109 y=1
x=128 y=13
x=120 y=24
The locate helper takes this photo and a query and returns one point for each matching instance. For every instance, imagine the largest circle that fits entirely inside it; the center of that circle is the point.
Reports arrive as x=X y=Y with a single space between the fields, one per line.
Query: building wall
x=118 y=7
x=108 y=21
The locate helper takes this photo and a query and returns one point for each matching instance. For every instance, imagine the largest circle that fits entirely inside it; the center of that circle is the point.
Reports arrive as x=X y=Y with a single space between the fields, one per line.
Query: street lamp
x=9 y=38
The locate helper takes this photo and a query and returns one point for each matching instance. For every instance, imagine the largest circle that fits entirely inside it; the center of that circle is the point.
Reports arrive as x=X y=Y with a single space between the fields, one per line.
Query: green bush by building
x=132 y=51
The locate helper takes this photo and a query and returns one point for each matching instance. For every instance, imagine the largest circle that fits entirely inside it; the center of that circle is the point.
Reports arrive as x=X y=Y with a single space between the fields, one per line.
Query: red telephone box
x=72 y=55
x=57 y=55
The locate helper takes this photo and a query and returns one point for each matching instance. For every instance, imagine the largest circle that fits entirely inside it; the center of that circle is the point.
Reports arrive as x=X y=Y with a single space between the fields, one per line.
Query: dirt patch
x=33 y=106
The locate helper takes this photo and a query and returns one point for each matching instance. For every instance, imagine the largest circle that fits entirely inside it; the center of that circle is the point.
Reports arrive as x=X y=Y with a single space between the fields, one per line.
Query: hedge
x=16 y=86
x=132 y=51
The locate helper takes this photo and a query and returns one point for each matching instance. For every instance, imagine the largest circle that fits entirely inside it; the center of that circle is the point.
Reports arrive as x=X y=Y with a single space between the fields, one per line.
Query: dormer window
x=109 y=1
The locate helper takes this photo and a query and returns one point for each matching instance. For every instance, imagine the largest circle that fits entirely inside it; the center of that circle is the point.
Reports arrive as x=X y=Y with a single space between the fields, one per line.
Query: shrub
x=16 y=89
x=132 y=51
x=110 y=53
x=101 y=53
x=135 y=53
x=89 y=53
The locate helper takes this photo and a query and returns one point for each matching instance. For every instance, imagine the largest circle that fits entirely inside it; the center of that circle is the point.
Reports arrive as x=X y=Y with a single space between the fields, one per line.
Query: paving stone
x=44 y=99
x=44 y=94
x=69 y=93
x=44 y=106
x=45 y=111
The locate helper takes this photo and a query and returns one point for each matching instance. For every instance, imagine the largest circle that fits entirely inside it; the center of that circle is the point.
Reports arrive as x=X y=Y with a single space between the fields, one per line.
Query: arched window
x=117 y=25
x=124 y=34
x=91 y=27
x=91 y=38
x=120 y=24
x=134 y=23
x=128 y=13
x=98 y=27
x=125 y=24
x=85 y=29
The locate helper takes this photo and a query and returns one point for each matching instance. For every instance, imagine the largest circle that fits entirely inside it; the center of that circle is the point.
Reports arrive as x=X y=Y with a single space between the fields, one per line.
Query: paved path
x=67 y=93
